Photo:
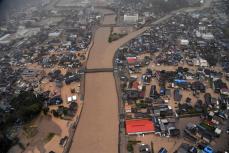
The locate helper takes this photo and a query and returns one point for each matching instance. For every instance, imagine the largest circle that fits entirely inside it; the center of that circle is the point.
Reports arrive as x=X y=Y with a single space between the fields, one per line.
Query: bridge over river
x=98 y=70
x=98 y=127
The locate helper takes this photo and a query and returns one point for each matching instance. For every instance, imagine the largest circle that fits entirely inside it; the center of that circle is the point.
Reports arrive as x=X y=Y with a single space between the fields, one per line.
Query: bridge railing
x=98 y=70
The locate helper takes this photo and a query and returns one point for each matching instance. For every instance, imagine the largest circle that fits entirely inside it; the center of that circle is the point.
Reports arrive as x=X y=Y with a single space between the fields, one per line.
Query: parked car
x=162 y=150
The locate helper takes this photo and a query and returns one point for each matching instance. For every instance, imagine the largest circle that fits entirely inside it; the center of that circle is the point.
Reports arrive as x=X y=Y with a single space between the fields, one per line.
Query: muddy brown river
x=97 y=130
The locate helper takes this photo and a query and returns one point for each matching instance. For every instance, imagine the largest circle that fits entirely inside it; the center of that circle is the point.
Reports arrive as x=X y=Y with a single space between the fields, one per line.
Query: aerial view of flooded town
x=114 y=76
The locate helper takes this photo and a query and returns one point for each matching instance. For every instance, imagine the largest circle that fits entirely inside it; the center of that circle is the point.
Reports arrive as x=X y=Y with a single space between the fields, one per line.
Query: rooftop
x=139 y=126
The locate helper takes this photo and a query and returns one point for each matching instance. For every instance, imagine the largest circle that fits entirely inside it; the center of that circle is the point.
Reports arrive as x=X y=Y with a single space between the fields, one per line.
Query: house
x=177 y=95
x=208 y=149
x=69 y=99
x=208 y=99
x=162 y=110
x=139 y=126
x=224 y=91
x=63 y=141
x=30 y=73
x=186 y=148
x=162 y=150
x=128 y=108
x=184 y=42
x=198 y=106
x=144 y=148
x=142 y=92
x=131 y=60
x=188 y=135
x=132 y=94
x=207 y=36
x=6 y=39
x=54 y=34
x=73 y=106
x=204 y=131
x=131 y=18
x=135 y=85
x=74 y=98
x=55 y=100
x=218 y=85
x=198 y=86
x=200 y=62
x=203 y=62
x=153 y=92
x=72 y=78
x=181 y=83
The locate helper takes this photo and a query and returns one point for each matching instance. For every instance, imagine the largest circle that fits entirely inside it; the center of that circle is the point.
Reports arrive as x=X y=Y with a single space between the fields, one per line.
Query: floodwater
x=97 y=130
x=109 y=19
x=97 y=57
x=102 y=52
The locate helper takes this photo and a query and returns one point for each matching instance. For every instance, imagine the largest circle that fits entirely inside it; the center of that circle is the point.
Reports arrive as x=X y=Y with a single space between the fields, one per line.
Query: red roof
x=131 y=59
x=135 y=85
x=141 y=126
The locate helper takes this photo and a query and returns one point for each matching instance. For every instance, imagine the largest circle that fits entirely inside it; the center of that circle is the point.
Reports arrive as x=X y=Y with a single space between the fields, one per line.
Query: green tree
x=130 y=147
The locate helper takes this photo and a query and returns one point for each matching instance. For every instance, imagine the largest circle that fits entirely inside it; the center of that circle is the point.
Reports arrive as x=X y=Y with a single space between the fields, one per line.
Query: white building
x=203 y=62
x=184 y=42
x=23 y=32
x=54 y=34
x=207 y=36
x=5 y=39
x=45 y=2
x=200 y=62
x=131 y=18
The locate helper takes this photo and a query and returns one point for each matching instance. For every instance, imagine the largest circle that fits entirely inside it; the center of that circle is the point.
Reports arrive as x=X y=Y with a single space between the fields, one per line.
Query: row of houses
x=167 y=73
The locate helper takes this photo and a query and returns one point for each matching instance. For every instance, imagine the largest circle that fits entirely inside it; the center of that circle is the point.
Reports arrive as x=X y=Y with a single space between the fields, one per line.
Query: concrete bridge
x=96 y=70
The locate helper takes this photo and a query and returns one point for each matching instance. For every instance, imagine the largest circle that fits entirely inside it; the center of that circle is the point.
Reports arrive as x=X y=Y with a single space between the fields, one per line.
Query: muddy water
x=102 y=53
x=109 y=19
x=96 y=56
x=97 y=131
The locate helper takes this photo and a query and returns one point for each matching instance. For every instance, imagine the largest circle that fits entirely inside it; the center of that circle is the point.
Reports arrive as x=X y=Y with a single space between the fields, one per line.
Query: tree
x=109 y=39
x=45 y=110
x=27 y=105
x=5 y=143
x=55 y=114
x=130 y=147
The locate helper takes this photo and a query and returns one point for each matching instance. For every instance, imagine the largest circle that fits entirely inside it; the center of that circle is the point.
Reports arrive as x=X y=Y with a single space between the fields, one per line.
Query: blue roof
x=180 y=81
x=162 y=150
x=208 y=149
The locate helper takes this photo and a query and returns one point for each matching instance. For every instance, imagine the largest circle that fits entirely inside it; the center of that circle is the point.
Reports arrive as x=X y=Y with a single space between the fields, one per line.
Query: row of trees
x=24 y=107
